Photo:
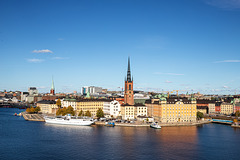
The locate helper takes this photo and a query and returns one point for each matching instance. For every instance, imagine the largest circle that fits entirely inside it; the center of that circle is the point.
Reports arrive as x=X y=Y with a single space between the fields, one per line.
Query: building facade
x=91 y=105
x=92 y=90
x=112 y=109
x=32 y=91
x=167 y=110
x=226 y=108
x=211 y=107
x=69 y=102
x=132 y=112
x=47 y=107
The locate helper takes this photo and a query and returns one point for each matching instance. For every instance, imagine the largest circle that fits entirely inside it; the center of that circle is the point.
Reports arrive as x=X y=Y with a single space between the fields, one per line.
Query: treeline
x=33 y=110
x=64 y=111
x=69 y=110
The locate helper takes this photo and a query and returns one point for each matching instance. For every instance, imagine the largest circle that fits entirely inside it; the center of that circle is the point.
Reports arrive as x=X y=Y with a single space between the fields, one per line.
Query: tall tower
x=128 y=93
x=52 y=91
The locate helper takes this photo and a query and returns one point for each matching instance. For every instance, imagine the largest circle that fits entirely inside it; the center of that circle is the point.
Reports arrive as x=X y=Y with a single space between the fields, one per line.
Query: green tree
x=237 y=114
x=70 y=110
x=58 y=103
x=100 y=113
x=199 y=115
x=64 y=111
x=81 y=113
x=88 y=113
x=28 y=110
x=37 y=109
x=59 y=112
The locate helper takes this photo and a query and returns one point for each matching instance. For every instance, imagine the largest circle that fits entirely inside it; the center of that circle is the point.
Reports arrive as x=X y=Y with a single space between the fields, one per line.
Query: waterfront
x=20 y=139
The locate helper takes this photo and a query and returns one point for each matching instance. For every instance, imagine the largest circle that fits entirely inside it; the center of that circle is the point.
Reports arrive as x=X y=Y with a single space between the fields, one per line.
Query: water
x=20 y=139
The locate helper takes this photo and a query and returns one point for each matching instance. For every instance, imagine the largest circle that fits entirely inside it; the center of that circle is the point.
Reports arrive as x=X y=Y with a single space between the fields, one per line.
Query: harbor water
x=20 y=139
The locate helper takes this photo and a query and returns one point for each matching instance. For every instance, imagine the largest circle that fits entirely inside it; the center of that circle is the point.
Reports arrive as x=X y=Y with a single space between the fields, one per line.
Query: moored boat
x=110 y=124
x=68 y=120
x=155 y=125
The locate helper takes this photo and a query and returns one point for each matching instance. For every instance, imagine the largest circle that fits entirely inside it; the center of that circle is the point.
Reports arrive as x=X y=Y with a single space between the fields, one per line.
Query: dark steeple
x=129 y=71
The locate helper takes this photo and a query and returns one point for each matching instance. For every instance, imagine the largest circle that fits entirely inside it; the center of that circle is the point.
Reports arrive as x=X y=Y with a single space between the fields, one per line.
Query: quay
x=33 y=117
x=139 y=124
x=125 y=124
x=235 y=126
x=39 y=117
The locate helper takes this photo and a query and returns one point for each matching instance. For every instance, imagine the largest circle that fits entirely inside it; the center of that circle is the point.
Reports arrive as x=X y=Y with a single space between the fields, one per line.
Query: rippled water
x=20 y=139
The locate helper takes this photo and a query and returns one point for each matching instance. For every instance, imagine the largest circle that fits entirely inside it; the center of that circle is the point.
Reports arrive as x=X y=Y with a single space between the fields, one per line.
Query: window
x=130 y=87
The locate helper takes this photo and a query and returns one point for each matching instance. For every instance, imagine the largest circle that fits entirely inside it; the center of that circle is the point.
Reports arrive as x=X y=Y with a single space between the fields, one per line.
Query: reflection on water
x=20 y=139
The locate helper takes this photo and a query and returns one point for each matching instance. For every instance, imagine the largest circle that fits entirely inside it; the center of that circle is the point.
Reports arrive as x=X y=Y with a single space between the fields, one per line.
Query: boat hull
x=155 y=126
x=77 y=122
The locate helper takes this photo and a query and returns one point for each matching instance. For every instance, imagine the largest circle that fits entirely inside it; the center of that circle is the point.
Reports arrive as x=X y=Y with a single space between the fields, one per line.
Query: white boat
x=68 y=120
x=155 y=125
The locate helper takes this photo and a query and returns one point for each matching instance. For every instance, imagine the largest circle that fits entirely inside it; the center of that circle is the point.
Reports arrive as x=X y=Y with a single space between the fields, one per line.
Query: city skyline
x=189 y=45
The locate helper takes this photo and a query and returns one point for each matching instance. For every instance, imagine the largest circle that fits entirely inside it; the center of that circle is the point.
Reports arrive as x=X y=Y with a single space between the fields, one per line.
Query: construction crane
x=169 y=92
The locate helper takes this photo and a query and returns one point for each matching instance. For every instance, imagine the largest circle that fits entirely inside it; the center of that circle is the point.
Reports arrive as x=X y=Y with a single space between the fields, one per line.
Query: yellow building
x=92 y=105
x=168 y=110
x=129 y=112
x=226 y=108
x=47 y=107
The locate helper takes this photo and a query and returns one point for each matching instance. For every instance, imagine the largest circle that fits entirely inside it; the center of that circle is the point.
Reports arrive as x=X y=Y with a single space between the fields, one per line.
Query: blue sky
x=188 y=45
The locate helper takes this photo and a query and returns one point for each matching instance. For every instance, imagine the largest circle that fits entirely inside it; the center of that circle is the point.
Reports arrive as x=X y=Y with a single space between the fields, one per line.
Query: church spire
x=53 y=88
x=129 y=71
x=52 y=91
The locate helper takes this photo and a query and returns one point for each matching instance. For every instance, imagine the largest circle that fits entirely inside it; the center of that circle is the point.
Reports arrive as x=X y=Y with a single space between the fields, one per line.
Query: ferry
x=68 y=120
x=155 y=125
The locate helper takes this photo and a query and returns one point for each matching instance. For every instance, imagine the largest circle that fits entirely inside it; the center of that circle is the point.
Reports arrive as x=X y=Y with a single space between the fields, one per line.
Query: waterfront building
x=218 y=107
x=226 y=108
x=129 y=109
x=112 y=109
x=47 y=107
x=211 y=107
x=91 y=105
x=65 y=102
x=129 y=112
x=237 y=107
x=173 y=109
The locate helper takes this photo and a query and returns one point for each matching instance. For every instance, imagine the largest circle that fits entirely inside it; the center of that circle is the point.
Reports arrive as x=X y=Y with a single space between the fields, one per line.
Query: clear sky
x=188 y=45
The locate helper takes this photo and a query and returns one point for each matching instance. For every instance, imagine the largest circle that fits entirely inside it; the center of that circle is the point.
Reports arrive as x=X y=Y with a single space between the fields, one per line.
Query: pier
x=33 y=117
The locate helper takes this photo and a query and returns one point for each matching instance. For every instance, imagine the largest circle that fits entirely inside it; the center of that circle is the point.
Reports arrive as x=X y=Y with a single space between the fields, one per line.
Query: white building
x=32 y=91
x=112 y=108
x=91 y=89
x=24 y=96
x=69 y=102
x=132 y=112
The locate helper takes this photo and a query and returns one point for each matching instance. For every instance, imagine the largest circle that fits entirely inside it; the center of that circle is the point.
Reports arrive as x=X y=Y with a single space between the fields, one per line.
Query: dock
x=33 y=117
